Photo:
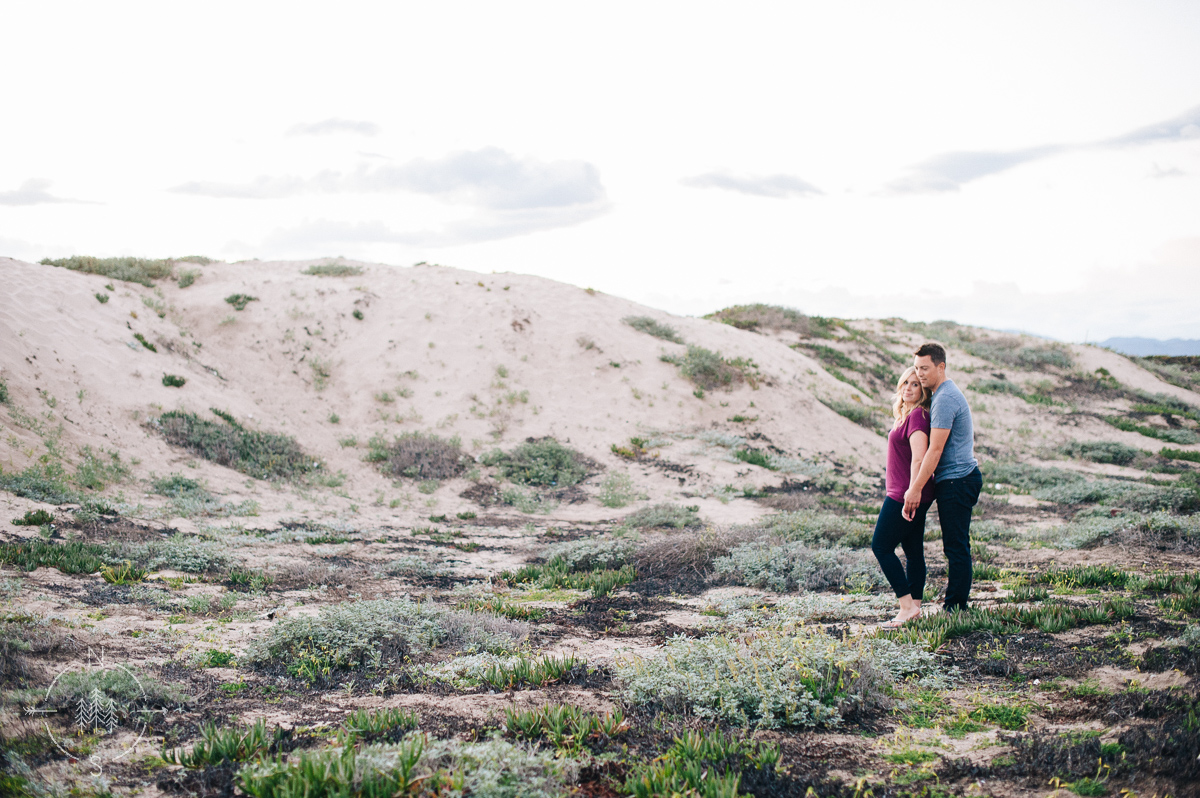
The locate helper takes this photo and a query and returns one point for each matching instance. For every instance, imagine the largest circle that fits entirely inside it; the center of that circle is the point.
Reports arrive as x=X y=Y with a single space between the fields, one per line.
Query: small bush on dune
x=649 y=326
x=1125 y=494
x=813 y=528
x=774 y=679
x=541 y=462
x=4 y=397
x=795 y=565
x=130 y=691
x=240 y=301
x=365 y=634
x=664 y=516
x=616 y=490
x=591 y=553
x=177 y=553
x=1183 y=437
x=860 y=414
x=765 y=317
x=264 y=455
x=173 y=381
x=1025 y=477
x=1101 y=451
x=709 y=371
x=130 y=270
x=994 y=386
x=333 y=270
x=1014 y=352
x=98 y=469
x=418 y=455
x=42 y=483
x=669 y=556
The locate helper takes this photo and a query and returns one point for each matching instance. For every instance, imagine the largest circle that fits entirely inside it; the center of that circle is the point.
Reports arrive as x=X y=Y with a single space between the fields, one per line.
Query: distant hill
x=1143 y=347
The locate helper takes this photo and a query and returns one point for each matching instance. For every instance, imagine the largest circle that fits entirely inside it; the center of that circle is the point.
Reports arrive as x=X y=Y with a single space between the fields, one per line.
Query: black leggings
x=891 y=529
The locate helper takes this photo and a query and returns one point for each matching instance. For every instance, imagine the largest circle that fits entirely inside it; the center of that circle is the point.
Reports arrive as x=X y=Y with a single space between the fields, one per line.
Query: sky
x=1030 y=166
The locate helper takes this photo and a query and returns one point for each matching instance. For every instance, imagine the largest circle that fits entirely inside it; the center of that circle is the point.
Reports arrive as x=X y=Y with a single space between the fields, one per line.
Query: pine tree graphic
x=96 y=712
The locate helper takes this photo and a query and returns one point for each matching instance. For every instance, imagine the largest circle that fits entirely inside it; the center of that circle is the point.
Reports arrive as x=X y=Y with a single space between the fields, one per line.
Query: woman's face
x=910 y=392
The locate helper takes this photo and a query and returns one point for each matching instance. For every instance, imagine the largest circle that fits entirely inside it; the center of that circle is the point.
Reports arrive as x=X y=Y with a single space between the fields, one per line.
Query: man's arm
x=912 y=497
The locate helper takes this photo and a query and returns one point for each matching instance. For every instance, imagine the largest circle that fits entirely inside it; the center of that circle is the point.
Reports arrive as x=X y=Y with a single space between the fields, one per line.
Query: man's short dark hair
x=935 y=352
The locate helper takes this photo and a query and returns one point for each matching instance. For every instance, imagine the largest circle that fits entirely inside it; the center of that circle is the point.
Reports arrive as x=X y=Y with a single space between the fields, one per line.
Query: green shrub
x=4 y=397
x=557 y=574
x=102 y=298
x=1012 y=351
x=366 y=634
x=813 y=528
x=863 y=415
x=616 y=489
x=709 y=371
x=240 y=301
x=95 y=471
x=701 y=763
x=1180 y=454
x=541 y=462
x=997 y=386
x=130 y=270
x=129 y=690
x=1025 y=478
x=754 y=457
x=333 y=270
x=772 y=679
x=563 y=725
x=124 y=574
x=1126 y=494
x=225 y=746
x=664 y=516
x=770 y=317
x=173 y=381
x=374 y=725
x=263 y=455
x=650 y=326
x=34 y=518
x=418 y=455
x=498 y=606
x=146 y=344
x=1006 y=716
x=589 y=554
x=177 y=553
x=70 y=557
x=795 y=565
x=358 y=314
x=1101 y=451
x=42 y=483
x=187 y=277
x=215 y=658
x=341 y=771
x=1184 y=437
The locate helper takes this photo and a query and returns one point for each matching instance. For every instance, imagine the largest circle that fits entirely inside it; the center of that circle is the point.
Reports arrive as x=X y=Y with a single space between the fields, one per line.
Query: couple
x=931 y=456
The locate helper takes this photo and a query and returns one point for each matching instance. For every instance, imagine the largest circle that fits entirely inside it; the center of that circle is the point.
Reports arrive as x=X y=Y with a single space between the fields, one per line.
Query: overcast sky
x=1028 y=166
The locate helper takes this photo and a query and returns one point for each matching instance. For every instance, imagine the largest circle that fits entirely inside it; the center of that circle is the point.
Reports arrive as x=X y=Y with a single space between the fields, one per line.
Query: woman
x=907 y=443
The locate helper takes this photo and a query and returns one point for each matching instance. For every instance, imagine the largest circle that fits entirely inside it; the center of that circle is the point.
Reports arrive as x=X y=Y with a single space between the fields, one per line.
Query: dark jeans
x=891 y=530
x=955 y=498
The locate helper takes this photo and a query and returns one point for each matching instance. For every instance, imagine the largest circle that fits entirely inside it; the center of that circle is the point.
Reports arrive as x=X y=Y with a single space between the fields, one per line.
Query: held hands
x=912 y=498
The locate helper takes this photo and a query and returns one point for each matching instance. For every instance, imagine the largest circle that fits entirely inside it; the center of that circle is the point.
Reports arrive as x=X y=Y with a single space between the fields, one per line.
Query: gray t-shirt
x=950 y=411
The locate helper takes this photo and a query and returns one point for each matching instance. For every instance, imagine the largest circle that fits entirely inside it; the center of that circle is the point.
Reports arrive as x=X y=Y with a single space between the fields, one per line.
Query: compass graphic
x=97 y=712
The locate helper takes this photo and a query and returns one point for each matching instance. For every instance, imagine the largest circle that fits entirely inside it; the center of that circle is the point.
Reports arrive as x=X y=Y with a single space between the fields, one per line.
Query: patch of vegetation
x=772 y=679
x=174 y=381
x=863 y=415
x=664 y=516
x=187 y=277
x=1185 y=437
x=1101 y=451
x=70 y=557
x=333 y=270
x=650 y=326
x=708 y=370
x=997 y=386
x=811 y=527
x=789 y=566
x=4 y=397
x=177 y=553
x=564 y=726
x=1006 y=716
x=773 y=317
x=42 y=483
x=702 y=764
x=563 y=571
x=146 y=344
x=215 y=658
x=1180 y=454
x=125 y=573
x=754 y=457
x=542 y=462
x=363 y=635
x=418 y=455
x=1016 y=353
x=102 y=298
x=129 y=690
x=240 y=301
x=34 y=518
x=131 y=270
x=497 y=605
x=226 y=746
x=263 y=455
x=934 y=630
x=616 y=489
x=387 y=724
x=97 y=469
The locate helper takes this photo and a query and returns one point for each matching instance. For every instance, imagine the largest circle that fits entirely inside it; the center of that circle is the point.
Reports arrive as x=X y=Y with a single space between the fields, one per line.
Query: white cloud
x=32 y=192
x=775 y=186
x=330 y=126
x=486 y=178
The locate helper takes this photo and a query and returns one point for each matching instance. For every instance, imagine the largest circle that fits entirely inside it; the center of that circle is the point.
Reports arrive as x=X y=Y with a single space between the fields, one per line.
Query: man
x=950 y=461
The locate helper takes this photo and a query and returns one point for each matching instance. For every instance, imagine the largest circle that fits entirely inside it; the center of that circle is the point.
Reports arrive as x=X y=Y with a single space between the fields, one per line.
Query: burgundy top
x=899 y=459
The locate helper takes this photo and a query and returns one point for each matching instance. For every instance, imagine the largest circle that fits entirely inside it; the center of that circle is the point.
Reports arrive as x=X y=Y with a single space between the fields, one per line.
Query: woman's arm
x=937 y=442
x=919 y=442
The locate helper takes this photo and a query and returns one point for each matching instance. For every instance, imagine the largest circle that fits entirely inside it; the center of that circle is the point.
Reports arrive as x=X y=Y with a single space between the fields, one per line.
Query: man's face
x=927 y=373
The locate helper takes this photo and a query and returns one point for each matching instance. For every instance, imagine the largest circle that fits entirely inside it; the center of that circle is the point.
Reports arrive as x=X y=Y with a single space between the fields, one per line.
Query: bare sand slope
x=493 y=359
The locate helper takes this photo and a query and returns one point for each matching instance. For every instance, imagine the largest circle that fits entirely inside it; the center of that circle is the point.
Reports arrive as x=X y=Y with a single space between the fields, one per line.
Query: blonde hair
x=900 y=408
